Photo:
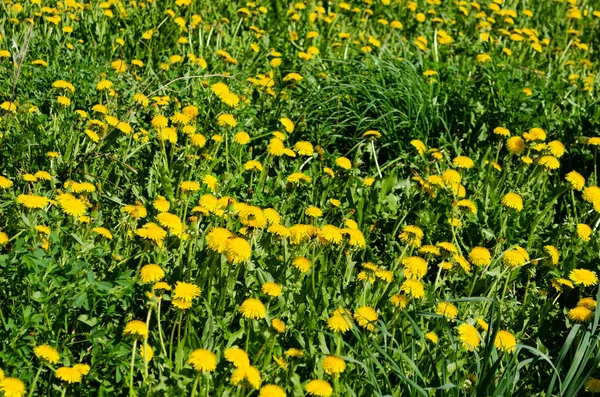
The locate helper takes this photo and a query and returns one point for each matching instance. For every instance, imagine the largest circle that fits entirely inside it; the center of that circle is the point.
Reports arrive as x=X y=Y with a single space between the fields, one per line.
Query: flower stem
x=195 y=386
x=131 y=392
x=37 y=375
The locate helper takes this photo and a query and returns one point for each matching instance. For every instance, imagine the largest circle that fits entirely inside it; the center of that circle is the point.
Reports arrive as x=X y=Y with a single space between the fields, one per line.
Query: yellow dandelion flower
x=136 y=329
x=202 y=360
x=580 y=314
x=583 y=277
x=505 y=341
x=468 y=336
x=271 y=289
x=366 y=317
x=319 y=388
x=237 y=357
x=151 y=273
x=513 y=201
x=252 y=308
x=47 y=353
x=186 y=292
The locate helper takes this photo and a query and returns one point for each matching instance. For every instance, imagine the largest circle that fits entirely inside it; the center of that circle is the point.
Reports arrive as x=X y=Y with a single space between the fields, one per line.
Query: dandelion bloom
x=331 y=234
x=253 y=309
x=583 y=277
x=5 y=183
x=249 y=373
x=553 y=254
x=446 y=309
x=514 y=258
x=287 y=124
x=293 y=352
x=151 y=273
x=271 y=391
x=343 y=162
x=319 y=388
x=451 y=178
x=580 y=314
x=515 y=145
x=225 y=120
x=137 y=329
x=71 y=205
x=463 y=162
x=588 y=302
x=549 y=163
x=366 y=317
x=411 y=235
x=186 y=292
x=419 y=145
x=278 y=325
x=513 y=201
x=432 y=336
x=502 y=131
x=314 y=212
x=238 y=250
x=241 y=138
x=237 y=357
x=32 y=201
x=301 y=263
x=210 y=181
x=217 y=239
x=505 y=341
x=47 y=353
x=333 y=365
x=189 y=186
x=271 y=289
x=12 y=387
x=68 y=374
x=591 y=194
x=151 y=231
x=340 y=321
x=413 y=288
x=202 y=360
x=414 y=267
x=480 y=256
x=297 y=177
x=468 y=335
x=584 y=232
x=3 y=238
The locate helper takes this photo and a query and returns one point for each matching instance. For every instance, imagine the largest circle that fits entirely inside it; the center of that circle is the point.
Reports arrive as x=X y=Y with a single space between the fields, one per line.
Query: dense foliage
x=350 y=198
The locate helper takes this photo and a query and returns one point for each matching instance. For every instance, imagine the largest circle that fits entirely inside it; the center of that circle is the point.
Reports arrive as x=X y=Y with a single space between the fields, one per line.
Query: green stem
x=160 y=331
x=131 y=392
x=37 y=375
x=64 y=392
x=195 y=386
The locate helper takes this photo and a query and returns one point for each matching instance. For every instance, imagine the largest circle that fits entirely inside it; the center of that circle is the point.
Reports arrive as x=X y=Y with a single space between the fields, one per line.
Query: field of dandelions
x=315 y=198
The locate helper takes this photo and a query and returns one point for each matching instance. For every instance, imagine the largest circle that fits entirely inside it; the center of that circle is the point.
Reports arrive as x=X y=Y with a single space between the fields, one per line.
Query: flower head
x=151 y=273
x=12 y=387
x=252 y=308
x=366 y=317
x=202 y=360
x=468 y=335
x=513 y=201
x=47 y=353
x=333 y=365
x=69 y=374
x=319 y=388
x=583 y=277
x=505 y=341
x=580 y=314
x=186 y=292
x=136 y=329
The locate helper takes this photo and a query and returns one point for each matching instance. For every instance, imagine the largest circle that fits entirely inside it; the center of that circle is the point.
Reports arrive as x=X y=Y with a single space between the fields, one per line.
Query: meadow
x=269 y=198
